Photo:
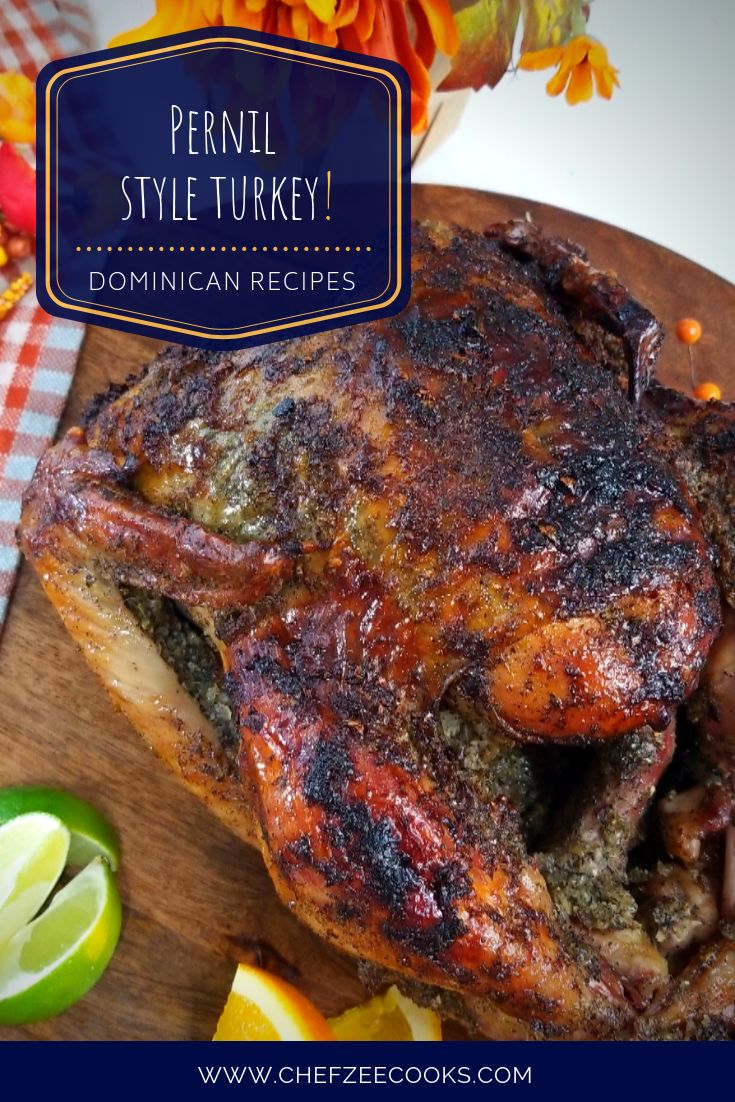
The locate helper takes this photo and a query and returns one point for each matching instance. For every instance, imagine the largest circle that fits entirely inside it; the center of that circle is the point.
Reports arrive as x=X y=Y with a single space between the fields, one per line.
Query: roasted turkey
x=417 y=607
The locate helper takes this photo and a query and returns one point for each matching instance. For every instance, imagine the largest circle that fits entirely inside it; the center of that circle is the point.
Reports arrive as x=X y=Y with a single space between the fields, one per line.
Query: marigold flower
x=408 y=31
x=17 y=108
x=580 y=62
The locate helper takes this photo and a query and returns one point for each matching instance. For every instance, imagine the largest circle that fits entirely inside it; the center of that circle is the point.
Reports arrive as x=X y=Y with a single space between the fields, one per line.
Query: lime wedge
x=91 y=833
x=33 y=852
x=50 y=963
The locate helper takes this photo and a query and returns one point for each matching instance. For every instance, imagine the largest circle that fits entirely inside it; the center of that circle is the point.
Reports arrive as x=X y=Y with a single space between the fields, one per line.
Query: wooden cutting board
x=196 y=899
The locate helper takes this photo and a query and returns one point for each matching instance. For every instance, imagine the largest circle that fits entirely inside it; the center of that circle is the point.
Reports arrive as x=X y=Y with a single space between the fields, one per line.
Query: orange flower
x=408 y=31
x=17 y=108
x=579 y=62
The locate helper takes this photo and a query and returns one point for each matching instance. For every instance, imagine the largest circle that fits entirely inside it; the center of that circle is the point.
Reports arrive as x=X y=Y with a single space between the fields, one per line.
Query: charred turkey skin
x=456 y=501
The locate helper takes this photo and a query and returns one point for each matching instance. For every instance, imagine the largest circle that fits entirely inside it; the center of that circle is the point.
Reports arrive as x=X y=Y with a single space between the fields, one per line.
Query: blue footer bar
x=104 y=1072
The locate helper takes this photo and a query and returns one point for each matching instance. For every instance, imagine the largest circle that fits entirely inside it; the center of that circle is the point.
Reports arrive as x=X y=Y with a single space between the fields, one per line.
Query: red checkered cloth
x=38 y=353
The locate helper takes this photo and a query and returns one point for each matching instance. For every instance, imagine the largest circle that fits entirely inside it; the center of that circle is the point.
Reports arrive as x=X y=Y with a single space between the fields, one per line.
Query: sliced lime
x=50 y=963
x=91 y=833
x=33 y=852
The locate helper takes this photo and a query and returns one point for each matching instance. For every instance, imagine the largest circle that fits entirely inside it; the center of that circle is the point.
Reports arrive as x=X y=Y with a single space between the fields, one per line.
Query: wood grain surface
x=196 y=899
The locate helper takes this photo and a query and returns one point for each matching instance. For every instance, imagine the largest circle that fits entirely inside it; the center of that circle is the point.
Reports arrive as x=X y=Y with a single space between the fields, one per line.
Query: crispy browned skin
x=471 y=457
x=698 y=439
x=369 y=835
x=602 y=299
x=457 y=496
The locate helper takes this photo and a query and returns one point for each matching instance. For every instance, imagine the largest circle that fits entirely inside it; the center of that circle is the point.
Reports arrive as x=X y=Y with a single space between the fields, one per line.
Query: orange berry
x=18 y=247
x=688 y=330
x=708 y=392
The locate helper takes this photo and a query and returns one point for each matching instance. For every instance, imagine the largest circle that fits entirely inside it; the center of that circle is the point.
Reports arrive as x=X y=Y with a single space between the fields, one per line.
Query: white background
x=657 y=159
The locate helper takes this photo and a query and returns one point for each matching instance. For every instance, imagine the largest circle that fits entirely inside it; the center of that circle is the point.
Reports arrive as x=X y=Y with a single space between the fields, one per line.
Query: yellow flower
x=17 y=108
x=580 y=62
x=409 y=31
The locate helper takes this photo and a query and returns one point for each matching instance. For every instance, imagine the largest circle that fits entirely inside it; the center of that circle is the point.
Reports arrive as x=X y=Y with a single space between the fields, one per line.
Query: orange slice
x=388 y=1017
x=261 y=1007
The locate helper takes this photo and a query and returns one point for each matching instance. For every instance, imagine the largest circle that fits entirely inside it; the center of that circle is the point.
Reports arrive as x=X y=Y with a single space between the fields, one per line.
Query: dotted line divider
x=222 y=248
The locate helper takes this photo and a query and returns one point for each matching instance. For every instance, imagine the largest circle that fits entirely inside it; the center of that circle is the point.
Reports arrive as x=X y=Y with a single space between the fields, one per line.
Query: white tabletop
x=658 y=159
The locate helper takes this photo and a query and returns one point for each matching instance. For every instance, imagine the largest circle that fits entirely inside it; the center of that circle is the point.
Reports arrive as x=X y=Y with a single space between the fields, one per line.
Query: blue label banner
x=604 y=1071
x=223 y=188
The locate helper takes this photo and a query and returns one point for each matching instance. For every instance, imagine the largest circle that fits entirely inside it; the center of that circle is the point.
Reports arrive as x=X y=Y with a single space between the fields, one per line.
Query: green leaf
x=486 y=32
x=552 y=22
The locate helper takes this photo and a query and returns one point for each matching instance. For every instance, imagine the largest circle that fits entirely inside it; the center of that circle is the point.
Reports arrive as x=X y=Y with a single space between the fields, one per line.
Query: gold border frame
x=269 y=327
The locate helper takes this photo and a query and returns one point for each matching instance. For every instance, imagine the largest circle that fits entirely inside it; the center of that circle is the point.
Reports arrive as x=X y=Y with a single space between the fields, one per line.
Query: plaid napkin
x=38 y=353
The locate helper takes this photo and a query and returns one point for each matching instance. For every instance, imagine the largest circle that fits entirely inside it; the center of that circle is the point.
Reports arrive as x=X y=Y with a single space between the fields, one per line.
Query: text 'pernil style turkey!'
x=416 y=607
x=253 y=198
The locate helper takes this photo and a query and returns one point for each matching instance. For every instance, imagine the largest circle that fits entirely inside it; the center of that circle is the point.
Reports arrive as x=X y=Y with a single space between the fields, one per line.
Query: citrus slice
x=262 y=1007
x=33 y=852
x=91 y=833
x=388 y=1017
x=54 y=960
